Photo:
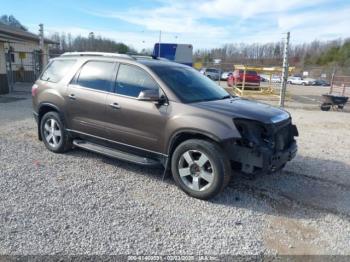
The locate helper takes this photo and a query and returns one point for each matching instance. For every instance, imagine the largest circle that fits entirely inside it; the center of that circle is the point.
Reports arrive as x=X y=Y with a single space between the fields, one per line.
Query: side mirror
x=151 y=95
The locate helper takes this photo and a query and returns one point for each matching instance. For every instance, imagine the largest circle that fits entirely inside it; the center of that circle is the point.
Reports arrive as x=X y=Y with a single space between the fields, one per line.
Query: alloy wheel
x=195 y=170
x=52 y=132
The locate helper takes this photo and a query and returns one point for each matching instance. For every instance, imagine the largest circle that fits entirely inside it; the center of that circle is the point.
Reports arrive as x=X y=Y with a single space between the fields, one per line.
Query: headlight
x=253 y=132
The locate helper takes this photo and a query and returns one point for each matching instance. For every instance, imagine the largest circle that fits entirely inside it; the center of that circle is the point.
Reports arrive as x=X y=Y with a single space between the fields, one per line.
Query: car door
x=131 y=121
x=86 y=97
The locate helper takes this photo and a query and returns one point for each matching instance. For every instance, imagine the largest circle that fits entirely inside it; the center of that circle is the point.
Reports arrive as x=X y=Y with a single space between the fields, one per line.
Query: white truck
x=296 y=80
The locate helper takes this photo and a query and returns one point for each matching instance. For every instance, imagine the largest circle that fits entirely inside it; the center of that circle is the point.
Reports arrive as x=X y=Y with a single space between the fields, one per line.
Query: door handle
x=115 y=105
x=72 y=97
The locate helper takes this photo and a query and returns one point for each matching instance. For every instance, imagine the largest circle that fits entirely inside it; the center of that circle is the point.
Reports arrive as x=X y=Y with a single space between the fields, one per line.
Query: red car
x=251 y=78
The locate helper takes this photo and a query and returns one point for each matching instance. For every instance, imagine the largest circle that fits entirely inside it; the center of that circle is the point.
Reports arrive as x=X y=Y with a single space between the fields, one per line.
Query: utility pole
x=41 y=45
x=285 y=70
x=160 y=40
x=41 y=36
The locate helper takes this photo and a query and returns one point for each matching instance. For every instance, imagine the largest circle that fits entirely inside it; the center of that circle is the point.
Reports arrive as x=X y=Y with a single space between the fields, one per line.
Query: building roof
x=10 y=33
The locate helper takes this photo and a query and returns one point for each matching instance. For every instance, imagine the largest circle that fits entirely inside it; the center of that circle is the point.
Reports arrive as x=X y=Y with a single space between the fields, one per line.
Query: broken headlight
x=253 y=133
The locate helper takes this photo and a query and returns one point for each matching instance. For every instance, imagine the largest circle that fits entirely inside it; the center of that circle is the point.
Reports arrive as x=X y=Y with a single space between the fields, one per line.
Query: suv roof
x=150 y=61
x=136 y=57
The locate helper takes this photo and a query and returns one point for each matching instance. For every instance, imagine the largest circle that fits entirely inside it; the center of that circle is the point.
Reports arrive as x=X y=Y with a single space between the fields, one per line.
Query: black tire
x=64 y=143
x=303 y=83
x=218 y=161
x=325 y=107
x=289 y=82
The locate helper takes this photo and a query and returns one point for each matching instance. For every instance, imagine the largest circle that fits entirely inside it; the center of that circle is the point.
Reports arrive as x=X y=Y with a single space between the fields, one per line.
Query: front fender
x=217 y=129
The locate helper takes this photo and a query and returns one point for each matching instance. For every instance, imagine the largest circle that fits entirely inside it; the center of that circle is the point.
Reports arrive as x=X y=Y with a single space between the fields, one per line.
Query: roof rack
x=150 y=57
x=104 y=54
x=142 y=57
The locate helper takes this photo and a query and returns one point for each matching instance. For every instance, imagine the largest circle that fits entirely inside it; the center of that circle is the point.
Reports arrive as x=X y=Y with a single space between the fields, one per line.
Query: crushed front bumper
x=276 y=161
x=260 y=160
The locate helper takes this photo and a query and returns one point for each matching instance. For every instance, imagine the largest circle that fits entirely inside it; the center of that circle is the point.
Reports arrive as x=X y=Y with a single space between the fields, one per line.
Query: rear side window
x=131 y=80
x=56 y=70
x=97 y=75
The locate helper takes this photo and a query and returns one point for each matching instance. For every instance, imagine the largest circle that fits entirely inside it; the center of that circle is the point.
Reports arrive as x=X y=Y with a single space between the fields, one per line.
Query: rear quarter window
x=56 y=70
x=97 y=75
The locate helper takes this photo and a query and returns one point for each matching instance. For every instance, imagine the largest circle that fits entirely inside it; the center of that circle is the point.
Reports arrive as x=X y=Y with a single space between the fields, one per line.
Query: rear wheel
x=54 y=135
x=200 y=168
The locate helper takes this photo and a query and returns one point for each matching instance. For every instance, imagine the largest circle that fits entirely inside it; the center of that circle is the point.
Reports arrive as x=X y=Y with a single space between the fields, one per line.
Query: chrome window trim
x=88 y=88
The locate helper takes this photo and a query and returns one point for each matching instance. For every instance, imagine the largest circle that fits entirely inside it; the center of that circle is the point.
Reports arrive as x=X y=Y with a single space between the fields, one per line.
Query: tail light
x=34 y=89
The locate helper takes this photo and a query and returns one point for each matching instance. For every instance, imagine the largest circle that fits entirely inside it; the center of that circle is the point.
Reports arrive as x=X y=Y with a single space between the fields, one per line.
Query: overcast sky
x=203 y=23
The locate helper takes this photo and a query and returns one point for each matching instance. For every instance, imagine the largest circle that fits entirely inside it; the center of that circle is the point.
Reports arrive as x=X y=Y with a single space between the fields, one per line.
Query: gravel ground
x=84 y=203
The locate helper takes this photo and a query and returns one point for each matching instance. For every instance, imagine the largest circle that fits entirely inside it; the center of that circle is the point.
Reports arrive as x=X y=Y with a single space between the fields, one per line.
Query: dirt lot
x=84 y=203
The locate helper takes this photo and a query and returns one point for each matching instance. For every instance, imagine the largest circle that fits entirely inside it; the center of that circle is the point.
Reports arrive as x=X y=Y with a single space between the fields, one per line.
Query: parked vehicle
x=276 y=79
x=179 y=53
x=212 y=73
x=264 y=78
x=251 y=78
x=320 y=82
x=154 y=112
x=225 y=75
x=296 y=80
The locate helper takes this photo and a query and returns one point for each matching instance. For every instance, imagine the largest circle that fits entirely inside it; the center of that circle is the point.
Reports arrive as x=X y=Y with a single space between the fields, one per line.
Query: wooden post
x=243 y=83
x=332 y=81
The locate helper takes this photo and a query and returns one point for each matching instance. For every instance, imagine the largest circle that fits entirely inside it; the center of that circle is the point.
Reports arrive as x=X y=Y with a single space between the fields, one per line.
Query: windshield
x=189 y=85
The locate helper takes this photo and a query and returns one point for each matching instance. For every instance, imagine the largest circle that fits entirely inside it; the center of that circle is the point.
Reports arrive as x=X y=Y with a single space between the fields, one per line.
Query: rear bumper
x=249 y=83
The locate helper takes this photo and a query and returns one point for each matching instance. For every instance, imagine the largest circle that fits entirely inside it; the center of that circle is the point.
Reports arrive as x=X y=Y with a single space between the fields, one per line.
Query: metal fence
x=340 y=85
x=22 y=67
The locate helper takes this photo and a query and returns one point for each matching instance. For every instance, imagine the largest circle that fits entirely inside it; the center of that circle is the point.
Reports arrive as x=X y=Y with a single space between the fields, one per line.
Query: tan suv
x=153 y=112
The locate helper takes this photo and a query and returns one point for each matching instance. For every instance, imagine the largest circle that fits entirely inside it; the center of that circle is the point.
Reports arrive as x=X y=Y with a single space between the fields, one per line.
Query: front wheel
x=200 y=168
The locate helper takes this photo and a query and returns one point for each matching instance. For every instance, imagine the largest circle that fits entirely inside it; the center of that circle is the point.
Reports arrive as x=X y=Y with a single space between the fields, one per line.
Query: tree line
x=317 y=53
x=10 y=20
x=68 y=43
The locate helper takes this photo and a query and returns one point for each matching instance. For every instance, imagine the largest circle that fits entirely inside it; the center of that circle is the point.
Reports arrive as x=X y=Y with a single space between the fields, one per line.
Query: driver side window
x=131 y=80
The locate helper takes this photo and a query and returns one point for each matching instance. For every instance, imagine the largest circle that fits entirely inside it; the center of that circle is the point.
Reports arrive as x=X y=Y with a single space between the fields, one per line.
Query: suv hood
x=242 y=108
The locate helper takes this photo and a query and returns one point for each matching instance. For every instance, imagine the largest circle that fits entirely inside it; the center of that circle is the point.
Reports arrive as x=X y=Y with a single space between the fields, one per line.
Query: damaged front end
x=262 y=148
